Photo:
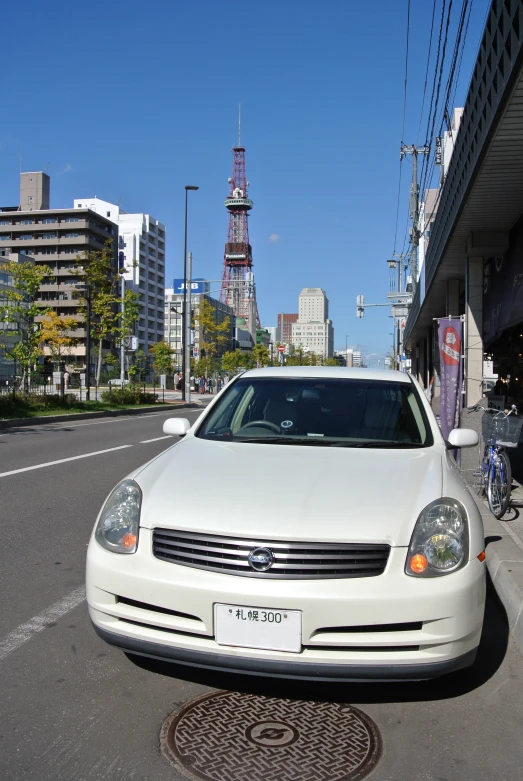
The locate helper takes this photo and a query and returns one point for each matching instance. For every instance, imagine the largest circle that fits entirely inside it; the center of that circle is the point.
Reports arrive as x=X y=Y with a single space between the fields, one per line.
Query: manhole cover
x=229 y=736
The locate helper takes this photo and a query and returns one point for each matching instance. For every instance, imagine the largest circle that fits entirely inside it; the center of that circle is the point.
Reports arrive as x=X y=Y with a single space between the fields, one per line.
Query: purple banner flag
x=450 y=337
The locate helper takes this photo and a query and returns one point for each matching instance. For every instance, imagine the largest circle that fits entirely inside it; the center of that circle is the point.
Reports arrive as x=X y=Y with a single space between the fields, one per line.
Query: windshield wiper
x=283 y=441
x=377 y=444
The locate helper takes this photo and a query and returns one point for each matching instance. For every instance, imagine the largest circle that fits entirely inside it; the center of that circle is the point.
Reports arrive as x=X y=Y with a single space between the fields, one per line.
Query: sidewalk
x=504 y=549
x=504 y=539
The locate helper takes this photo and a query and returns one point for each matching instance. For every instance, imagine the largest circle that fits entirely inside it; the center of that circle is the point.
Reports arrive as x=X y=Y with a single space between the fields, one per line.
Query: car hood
x=285 y=492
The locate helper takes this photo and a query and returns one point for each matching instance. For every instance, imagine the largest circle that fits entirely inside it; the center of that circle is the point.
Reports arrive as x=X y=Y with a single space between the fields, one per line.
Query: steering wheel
x=263 y=424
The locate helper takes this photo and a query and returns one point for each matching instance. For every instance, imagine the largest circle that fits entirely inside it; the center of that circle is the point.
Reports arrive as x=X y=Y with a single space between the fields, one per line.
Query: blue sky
x=131 y=101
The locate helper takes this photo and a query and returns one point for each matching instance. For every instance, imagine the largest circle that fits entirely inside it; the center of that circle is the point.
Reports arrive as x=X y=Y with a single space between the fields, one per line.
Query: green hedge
x=130 y=394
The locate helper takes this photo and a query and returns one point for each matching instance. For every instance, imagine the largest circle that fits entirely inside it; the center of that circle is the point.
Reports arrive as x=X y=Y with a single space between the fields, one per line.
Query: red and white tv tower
x=238 y=289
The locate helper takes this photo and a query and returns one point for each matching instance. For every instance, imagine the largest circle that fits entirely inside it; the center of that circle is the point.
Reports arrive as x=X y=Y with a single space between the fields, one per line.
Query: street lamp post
x=185 y=346
x=346 y=350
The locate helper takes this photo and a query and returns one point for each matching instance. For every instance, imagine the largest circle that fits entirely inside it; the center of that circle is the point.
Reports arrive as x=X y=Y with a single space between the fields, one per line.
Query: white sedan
x=311 y=523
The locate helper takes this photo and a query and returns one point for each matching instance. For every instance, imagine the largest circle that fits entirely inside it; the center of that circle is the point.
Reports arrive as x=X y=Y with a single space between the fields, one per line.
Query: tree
x=330 y=362
x=248 y=360
x=20 y=309
x=131 y=312
x=163 y=358
x=261 y=354
x=55 y=334
x=213 y=335
x=232 y=360
x=99 y=272
x=138 y=366
x=104 y=285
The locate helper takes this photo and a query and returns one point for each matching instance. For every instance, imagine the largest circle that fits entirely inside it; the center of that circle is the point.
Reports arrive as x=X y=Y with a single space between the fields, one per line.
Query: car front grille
x=292 y=560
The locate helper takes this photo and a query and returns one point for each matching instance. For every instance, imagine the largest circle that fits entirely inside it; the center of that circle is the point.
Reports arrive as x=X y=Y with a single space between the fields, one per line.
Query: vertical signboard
x=450 y=338
x=438 y=157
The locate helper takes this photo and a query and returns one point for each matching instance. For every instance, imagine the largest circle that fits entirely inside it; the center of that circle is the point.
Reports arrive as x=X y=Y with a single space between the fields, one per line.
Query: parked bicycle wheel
x=499 y=485
x=481 y=473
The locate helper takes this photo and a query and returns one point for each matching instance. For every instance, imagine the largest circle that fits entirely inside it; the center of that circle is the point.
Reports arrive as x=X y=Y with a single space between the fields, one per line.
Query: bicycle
x=494 y=477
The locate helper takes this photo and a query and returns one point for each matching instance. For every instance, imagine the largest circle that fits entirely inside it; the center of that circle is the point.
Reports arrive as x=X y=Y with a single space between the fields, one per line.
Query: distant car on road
x=118 y=382
x=334 y=538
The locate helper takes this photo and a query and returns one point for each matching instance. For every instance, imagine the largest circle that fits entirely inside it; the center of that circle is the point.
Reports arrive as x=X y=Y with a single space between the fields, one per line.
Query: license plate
x=256 y=627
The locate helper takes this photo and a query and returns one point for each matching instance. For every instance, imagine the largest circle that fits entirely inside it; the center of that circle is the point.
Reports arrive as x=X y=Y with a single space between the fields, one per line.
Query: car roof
x=332 y=372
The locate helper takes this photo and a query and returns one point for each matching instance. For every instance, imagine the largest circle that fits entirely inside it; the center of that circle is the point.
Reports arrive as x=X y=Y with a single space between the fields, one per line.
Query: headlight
x=440 y=541
x=118 y=525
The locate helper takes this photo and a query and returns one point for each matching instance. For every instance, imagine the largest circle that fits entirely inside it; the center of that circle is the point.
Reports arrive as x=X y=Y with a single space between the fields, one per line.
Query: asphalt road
x=75 y=709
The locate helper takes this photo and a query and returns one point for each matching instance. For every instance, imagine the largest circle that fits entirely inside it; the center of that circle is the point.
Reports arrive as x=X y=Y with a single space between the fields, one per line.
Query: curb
x=12 y=422
x=504 y=558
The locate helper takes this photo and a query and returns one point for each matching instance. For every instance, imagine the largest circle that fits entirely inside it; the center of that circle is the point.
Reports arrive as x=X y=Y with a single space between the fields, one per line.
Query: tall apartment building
x=8 y=329
x=141 y=252
x=284 y=326
x=174 y=314
x=56 y=238
x=313 y=331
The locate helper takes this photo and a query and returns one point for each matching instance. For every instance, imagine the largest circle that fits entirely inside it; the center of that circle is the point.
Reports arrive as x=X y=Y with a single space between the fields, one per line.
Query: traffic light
x=360 y=311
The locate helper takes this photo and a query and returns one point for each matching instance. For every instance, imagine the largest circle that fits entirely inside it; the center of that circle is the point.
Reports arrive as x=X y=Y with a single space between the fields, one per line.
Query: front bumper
x=387 y=627
x=282 y=669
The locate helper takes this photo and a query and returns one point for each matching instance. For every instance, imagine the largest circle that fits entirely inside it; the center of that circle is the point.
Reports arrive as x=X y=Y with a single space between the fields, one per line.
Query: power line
x=461 y=55
x=427 y=69
x=440 y=77
x=454 y=61
x=404 y=117
x=440 y=35
x=451 y=84
x=425 y=161
x=406 y=72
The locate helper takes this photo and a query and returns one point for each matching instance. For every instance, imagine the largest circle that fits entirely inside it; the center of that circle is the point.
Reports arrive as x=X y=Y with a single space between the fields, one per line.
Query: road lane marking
x=156 y=439
x=38 y=623
x=62 y=460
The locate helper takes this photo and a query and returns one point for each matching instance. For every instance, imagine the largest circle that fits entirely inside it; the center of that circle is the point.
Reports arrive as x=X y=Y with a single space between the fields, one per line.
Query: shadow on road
x=491 y=653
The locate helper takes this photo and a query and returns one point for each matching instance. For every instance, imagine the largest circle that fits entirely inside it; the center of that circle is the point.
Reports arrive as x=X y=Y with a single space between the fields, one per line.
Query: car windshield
x=324 y=412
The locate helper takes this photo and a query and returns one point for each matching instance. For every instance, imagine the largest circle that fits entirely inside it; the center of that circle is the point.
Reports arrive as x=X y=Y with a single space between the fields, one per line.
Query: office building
x=313 y=331
x=313 y=305
x=274 y=334
x=57 y=238
x=141 y=253
x=353 y=358
x=263 y=337
x=284 y=326
x=173 y=317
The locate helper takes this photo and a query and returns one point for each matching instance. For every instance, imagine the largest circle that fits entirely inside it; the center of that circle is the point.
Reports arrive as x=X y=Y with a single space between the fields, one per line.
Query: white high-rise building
x=353 y=357
x=313 y=305
x=313 y=331
x=141 y=251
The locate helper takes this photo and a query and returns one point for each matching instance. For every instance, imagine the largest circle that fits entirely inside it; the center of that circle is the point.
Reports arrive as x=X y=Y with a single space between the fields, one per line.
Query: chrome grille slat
x=279 y=555
x=292 y=560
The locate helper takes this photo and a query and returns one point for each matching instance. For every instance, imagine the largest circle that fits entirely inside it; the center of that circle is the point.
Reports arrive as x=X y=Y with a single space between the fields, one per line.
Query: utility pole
x=414 y=212
x=188 y=329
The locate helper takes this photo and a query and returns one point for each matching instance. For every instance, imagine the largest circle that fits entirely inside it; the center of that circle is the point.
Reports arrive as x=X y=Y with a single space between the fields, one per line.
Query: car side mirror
x=463 y=437
x=177 y=427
